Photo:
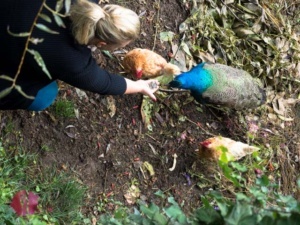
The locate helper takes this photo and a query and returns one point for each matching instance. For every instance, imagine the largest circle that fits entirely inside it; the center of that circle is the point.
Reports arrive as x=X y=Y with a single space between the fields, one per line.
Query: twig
x=151 y=137
x=286 y=78
x=156 y=27
x=206 y=132
x=142 y=171
x=174 y=162
x=172 y=91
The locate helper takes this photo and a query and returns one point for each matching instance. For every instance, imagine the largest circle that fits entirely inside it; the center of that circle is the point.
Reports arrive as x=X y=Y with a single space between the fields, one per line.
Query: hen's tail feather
x=171 y=69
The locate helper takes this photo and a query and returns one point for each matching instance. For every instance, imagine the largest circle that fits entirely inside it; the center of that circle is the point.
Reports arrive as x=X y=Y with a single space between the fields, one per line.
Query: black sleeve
x=86 y=74
x=74 y=64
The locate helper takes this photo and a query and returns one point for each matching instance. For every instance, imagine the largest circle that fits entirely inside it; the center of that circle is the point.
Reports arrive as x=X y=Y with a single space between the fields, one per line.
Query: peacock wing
x=233 y=88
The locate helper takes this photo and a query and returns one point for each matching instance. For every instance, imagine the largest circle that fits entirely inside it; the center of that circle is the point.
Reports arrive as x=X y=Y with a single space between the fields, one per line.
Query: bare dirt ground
x=106 y=153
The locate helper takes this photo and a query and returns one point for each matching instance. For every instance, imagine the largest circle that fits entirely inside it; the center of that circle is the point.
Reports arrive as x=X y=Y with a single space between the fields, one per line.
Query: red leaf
x=24 y=203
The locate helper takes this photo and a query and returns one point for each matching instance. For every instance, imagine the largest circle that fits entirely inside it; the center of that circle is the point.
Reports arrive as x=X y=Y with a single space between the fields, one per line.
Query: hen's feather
x=144 y=63
x=222 y=85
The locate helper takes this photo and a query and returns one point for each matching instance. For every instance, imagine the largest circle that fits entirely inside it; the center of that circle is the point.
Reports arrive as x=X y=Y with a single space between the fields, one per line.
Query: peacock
x=221 y=85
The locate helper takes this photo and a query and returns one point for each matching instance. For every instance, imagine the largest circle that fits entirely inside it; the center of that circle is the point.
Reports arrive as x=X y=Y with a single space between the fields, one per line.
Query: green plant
x=64 y=108
x=8 y=217
x=13 y=169
x=60 y=196
x=147 y=214
x=263 y=206
x=259 y=203
x=46 y=148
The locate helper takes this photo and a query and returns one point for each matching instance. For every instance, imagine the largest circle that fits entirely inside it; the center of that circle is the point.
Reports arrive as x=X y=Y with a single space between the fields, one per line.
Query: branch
x=27 y=43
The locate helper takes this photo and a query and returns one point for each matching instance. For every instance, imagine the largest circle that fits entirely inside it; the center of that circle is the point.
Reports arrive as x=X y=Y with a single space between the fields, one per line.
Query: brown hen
x=211 y=148
x=144 y=63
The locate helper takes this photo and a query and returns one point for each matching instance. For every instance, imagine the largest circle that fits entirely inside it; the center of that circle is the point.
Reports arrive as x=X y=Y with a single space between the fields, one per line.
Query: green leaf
x=152 y=212
x=38 y=58
x=223 y=206
x=185 y=48
x=263 y=181
x=159 y=193
x=241 y=213
x=205 y=202
x=166 y=36
x=225 y=158
x=172 y=200
x=5 y=92
x=241 y=196
x=67 y=6
x=59 y=21
x=120 y=213
x=45 y=17
x=251 y=219
x=258 y=194
x=24 y=34
x=147 y=112
x=266 y=220
x=5 y=77
x=36 y=40
x=108 y=54
x=59 y=5
x=239 y=167
x=19 y=89
x=164 y=79
x=208 y=216
x=45 y=28
x=289 y=200
x=174 y=212
x=228 y=172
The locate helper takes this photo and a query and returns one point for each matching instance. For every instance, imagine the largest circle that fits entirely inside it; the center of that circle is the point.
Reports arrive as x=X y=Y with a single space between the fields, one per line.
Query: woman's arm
x=146 y=87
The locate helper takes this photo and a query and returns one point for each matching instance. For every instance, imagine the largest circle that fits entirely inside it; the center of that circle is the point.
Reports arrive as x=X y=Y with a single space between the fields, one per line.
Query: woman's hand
x=149 y=87
x=146 y=87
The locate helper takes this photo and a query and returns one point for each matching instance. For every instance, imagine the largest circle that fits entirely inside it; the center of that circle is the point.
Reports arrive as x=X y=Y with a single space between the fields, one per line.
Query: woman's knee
x=45 y=97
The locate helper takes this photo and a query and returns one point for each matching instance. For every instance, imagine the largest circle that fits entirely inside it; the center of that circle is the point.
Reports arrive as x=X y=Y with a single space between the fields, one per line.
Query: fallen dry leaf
x=132 y=194
x=111 y=105
x=149 y=167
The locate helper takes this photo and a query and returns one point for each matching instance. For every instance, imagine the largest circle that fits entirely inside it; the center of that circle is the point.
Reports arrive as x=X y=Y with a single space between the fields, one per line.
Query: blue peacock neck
x=198 y=79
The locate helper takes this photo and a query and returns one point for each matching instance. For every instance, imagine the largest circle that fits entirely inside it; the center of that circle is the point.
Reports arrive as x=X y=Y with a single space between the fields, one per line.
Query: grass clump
x=64 y=108
x=60 y=195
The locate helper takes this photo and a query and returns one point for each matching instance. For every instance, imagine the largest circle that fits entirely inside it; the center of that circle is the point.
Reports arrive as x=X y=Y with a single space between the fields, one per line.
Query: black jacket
x=65 y=59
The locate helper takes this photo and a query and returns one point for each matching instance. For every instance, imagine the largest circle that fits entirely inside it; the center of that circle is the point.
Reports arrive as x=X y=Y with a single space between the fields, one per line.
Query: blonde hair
x=112 y=24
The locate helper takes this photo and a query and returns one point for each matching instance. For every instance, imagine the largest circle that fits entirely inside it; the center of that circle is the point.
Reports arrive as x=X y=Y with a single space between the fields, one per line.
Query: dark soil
x=106 y=152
